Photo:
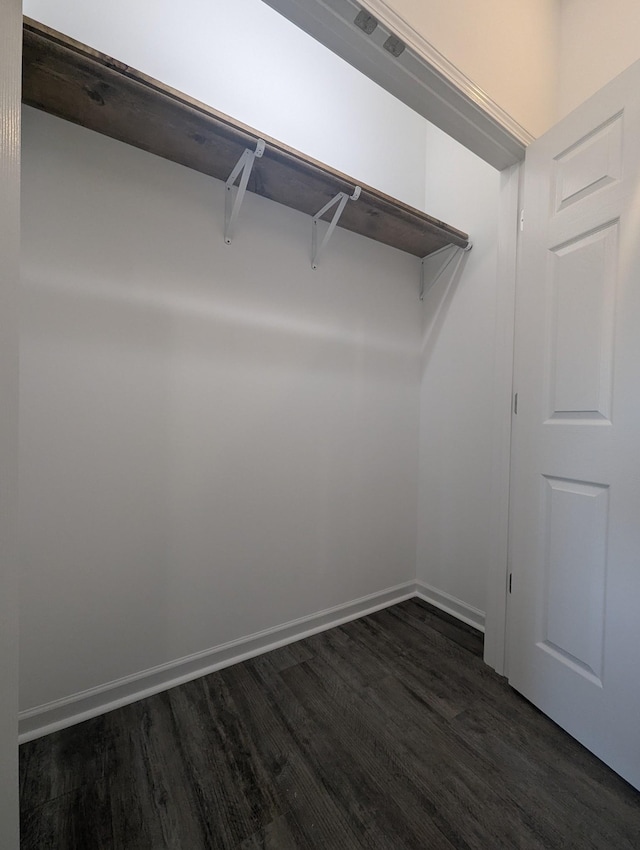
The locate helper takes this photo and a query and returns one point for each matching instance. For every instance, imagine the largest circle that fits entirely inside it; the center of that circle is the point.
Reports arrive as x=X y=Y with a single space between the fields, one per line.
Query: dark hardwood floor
x=388 y=732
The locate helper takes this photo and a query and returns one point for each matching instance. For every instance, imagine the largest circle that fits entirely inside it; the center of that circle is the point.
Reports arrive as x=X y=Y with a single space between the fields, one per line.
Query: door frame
x=497 y=584
x=10 y=72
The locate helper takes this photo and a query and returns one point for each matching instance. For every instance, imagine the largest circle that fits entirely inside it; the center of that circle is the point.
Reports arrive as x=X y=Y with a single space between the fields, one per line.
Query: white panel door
x=574 y=613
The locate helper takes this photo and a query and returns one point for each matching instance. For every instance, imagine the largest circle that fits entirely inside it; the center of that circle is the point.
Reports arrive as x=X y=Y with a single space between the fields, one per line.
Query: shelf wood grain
x=72 y=81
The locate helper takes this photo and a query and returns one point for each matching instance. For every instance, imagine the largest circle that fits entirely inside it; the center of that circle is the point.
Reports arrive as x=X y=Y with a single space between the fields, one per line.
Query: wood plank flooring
x=388 y=732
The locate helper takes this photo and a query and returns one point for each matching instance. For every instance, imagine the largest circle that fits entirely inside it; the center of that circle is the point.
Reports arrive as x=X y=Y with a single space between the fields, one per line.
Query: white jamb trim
x=52 y=716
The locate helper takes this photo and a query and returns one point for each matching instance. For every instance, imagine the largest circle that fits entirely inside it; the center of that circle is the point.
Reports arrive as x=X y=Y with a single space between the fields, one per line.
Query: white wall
x=457 y=415
x=214 y=439
x=509 y=49
x=10 y=51
x=244 y=59
x=598 y=40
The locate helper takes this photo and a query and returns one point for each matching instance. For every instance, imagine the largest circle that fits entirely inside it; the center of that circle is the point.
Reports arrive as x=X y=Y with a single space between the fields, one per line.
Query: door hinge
x=515 y=404
x=521 y=220
x=510 y=578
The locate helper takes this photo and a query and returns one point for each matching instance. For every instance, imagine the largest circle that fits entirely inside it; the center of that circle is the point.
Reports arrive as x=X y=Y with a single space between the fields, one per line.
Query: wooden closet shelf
x=75 y=82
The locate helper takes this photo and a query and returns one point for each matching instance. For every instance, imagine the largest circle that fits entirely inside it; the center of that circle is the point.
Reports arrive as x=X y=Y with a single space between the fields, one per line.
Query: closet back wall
x=244 y=59
x=215 y=439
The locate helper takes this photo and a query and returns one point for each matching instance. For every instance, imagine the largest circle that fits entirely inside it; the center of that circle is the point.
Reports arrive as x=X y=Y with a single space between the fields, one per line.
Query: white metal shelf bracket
x=243 y=170
x=341 y=200
x=456 y=251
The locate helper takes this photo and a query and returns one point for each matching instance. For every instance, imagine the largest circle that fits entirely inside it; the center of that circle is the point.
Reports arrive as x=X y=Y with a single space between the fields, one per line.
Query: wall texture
x=244 y=59
x=457 y=415
x=509 y=49
x=215 y=439
x=598 y=40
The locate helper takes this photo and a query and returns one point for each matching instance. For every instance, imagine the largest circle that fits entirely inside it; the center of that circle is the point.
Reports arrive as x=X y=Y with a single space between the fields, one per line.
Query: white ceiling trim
x=420 y=77
x=423 y=48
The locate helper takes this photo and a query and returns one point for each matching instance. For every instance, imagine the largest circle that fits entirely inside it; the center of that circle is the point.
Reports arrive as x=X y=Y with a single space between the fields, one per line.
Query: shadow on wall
x=438 y=299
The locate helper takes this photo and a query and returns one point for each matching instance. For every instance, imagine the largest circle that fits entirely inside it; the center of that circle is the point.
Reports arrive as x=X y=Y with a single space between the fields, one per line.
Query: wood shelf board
x=75 y=82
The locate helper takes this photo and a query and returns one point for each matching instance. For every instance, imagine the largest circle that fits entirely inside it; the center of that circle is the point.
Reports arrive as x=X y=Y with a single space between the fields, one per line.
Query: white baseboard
x=456 y=607
x=44 y=719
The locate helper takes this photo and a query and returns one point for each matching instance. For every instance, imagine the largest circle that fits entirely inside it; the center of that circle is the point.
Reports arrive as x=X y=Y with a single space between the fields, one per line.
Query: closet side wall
x=215 y=439
x=246 y=60
x=457 y=415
